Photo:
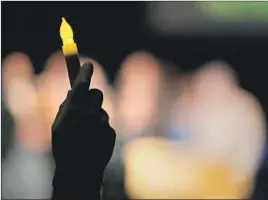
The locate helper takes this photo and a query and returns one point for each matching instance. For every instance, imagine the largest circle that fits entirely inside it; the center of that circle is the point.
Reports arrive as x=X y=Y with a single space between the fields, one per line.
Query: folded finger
x=83 y=79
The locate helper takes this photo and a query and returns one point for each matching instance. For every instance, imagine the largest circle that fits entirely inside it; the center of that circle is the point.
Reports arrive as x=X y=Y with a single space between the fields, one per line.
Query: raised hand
x=82 y=141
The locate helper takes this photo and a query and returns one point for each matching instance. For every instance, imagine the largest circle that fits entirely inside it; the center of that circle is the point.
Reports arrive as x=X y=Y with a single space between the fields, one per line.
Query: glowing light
x=66 y=33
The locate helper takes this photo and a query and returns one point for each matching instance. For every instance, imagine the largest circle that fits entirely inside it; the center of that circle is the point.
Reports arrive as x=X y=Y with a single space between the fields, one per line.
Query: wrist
x=69 y=192
x=76 y=184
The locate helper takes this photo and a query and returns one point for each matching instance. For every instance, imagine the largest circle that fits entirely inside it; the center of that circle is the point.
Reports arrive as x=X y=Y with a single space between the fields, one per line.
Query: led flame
x=66 y=32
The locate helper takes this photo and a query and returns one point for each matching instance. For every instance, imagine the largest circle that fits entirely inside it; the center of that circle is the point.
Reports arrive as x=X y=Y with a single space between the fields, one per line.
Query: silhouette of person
x=82 y=141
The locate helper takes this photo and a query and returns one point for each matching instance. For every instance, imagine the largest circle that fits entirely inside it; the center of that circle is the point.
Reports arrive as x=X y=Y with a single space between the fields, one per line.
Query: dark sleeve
x=73 y=187
x=87 y=190
x=67 y=193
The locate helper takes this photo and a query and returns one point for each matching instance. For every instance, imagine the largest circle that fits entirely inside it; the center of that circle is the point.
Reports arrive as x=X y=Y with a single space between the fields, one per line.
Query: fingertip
x=99 y=78
x=84 y=59
x=83 y=79
x=88 y=69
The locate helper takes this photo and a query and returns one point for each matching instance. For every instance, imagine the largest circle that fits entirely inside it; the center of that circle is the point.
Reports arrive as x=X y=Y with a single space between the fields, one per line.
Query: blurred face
x=21 y=97
x=139 y=84
x=17 y=78
x=215 y=81
x=218 y=113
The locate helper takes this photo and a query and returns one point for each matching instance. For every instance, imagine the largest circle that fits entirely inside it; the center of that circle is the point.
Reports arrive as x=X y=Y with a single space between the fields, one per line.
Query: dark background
x=108 y=32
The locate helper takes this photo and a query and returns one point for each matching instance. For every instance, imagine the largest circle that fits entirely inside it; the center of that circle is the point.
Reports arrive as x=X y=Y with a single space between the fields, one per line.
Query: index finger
x=83 y=79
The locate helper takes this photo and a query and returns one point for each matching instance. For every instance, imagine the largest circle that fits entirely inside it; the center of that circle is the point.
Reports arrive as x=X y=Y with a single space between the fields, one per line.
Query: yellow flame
x=66 y=32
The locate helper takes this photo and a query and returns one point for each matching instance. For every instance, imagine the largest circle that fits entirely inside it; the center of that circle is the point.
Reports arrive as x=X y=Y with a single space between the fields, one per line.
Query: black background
x=108 y=31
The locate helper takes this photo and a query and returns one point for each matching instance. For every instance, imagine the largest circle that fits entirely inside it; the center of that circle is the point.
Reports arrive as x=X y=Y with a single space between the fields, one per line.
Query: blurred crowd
x=179 y=135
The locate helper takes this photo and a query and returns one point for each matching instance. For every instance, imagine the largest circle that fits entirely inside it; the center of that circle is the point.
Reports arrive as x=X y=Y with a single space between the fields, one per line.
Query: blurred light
x=236 y=11
x=213 y=18
x=69 y=46
x=155 y=171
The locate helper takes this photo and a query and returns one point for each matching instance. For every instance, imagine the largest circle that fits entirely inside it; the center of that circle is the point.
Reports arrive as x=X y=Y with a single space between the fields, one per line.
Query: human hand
x=82 y=140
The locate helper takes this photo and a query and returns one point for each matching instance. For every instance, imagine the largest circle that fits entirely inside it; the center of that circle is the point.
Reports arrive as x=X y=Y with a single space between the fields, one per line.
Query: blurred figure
x=226 y=118
x=138 y=86
x=26 y=171
x=223 y=131
x=21 y=98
